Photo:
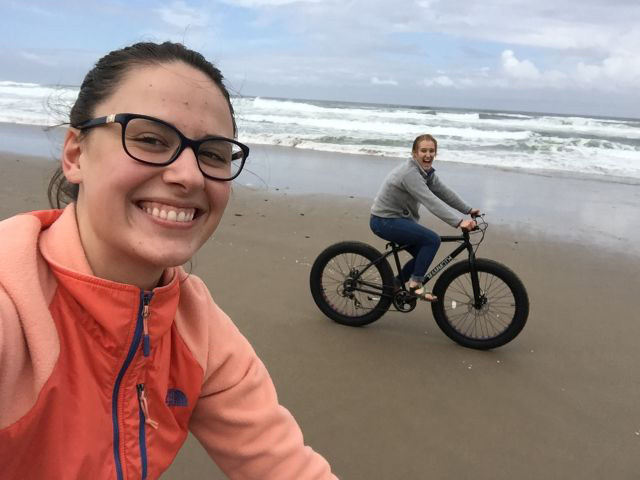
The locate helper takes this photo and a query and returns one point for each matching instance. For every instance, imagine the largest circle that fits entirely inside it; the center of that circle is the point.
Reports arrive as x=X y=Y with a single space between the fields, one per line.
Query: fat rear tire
x=347 y=288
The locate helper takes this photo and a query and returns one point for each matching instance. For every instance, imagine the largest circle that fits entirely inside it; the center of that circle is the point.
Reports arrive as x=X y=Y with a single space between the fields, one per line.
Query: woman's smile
x=168 y=212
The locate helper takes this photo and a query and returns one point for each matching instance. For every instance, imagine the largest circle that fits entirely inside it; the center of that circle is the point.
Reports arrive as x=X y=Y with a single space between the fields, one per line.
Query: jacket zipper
x=146 y=342
x=145 y=298
x=144 y=419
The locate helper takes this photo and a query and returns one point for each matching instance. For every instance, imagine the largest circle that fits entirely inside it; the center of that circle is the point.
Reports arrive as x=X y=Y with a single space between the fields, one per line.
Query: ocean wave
x=581 y=158
x=302 y=109
x=533 y=141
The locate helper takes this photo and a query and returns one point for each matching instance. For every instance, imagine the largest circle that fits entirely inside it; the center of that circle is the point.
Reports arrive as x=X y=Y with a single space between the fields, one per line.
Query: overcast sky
x=564 y=56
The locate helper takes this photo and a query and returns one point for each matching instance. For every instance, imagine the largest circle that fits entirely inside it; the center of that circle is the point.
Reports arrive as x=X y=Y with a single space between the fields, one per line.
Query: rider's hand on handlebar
x=475 y=212
x=468 y=225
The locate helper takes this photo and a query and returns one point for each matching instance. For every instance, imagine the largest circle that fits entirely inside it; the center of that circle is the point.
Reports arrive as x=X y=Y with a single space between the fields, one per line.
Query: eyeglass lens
x=155 y=142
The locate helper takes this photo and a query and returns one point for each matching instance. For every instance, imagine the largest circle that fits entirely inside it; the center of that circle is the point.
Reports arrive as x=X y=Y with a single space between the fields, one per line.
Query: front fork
x=475 y=281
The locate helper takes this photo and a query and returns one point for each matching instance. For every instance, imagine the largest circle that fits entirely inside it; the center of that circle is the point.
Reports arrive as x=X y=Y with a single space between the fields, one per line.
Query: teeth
x=166 y=213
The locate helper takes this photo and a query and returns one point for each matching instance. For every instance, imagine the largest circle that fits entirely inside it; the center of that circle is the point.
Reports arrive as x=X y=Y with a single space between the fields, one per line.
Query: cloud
x=183 y=22
x=592 y=33
x=39 y=59
x=378 y=81
x=456 y=47
x=511 y=73
x=34 y=9
x=618 y=70
x=266 y=3
x=438 y=81
x=593 y=25
x=181 y=15
x=622 y=70
x=518 y=69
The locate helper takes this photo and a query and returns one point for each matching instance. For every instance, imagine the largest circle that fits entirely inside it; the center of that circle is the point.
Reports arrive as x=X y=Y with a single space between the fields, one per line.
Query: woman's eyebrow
x=209 y=134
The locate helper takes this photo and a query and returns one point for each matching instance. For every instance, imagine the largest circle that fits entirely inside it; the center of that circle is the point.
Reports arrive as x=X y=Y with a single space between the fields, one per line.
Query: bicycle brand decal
x=439 y=267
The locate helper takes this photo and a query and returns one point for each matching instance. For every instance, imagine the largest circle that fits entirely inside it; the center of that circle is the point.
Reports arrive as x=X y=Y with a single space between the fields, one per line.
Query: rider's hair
x=102 y=82
x=420 y=138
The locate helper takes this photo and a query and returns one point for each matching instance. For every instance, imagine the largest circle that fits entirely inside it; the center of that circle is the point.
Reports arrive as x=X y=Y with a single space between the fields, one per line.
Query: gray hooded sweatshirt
x=407 y=186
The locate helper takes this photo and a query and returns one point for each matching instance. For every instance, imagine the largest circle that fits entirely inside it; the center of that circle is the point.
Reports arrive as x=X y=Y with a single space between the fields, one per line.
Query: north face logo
x=176 y=398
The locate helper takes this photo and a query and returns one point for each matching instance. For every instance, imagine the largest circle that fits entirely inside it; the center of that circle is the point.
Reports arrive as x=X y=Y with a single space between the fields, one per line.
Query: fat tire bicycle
x=481 y=304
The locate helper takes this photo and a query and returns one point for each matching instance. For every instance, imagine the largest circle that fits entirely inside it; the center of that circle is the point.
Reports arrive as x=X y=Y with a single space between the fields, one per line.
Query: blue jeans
x=404 y=231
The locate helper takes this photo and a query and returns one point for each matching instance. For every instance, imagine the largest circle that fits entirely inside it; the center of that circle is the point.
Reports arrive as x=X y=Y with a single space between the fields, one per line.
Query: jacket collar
x=113 y=305
x=422 y=171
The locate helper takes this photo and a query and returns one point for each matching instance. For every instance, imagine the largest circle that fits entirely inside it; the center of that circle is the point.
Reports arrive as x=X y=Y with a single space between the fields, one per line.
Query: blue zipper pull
x=146 y=346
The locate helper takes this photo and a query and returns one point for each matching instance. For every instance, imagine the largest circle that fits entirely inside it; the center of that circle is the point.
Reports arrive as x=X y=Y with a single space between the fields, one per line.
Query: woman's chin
x=163 y=259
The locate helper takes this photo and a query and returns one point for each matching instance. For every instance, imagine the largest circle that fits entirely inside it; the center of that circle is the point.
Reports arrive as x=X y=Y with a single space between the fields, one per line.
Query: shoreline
x=39 y=141
x=573 y=211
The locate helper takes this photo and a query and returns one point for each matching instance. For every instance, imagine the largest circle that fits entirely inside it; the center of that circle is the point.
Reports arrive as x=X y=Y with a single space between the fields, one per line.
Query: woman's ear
x=71 y=153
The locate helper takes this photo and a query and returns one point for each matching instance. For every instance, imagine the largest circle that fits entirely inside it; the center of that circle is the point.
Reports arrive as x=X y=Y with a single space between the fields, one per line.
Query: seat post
x=395 y=248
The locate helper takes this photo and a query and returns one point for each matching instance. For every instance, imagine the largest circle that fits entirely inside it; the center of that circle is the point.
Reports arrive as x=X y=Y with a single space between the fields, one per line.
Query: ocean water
x=533 y=142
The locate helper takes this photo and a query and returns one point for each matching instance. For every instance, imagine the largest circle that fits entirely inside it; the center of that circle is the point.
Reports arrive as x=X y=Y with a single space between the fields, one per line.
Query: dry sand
x=398 y=399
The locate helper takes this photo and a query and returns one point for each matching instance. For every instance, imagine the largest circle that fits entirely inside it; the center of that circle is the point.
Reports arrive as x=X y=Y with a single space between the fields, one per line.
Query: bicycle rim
x=342 y=280
x=492 y=319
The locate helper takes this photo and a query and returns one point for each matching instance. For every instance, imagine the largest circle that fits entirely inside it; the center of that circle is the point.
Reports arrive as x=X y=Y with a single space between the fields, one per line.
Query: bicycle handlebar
x=479 y=219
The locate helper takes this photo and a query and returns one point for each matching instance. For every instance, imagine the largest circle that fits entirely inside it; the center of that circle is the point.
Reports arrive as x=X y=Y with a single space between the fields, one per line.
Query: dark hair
x=420 y=138
x=103 y=80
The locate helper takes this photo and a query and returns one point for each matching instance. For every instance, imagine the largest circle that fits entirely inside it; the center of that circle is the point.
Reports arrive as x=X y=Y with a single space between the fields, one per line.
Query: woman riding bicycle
x=394 y=214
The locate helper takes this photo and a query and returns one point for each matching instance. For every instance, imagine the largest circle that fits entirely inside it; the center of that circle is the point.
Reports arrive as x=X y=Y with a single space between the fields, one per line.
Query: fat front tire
x=351 y=283
x=500 y=318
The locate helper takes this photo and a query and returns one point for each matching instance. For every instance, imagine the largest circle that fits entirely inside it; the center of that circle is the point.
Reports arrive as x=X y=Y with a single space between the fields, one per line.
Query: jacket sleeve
x=448 y=196
x=239 y=421
x=417 y=187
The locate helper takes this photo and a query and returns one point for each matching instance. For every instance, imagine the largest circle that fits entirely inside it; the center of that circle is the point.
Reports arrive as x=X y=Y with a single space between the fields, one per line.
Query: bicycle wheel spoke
x=335 y=276
x=489 y=320
x=462 y=287
x=341 y=279
x=498 y=311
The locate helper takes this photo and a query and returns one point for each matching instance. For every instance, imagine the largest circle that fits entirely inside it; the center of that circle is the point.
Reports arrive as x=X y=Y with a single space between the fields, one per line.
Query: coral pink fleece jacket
x=102 y=380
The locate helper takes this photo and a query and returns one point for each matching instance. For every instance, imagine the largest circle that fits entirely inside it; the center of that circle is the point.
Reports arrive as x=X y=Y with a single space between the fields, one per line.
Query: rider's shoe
x=421 y=293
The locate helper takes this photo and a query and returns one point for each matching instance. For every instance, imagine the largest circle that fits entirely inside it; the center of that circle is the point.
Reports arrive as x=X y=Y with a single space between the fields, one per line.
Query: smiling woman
x=394 y=214
x=96 y=312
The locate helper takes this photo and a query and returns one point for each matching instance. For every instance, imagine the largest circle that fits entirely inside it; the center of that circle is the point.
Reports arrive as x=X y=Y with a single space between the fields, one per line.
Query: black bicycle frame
x=466 y=245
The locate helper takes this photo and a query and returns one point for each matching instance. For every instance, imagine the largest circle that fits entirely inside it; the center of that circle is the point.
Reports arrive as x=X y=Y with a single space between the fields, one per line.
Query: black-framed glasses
x=152 y=141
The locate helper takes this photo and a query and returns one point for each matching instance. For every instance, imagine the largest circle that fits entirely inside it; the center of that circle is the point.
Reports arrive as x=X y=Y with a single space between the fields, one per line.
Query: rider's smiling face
x=425 y=153
x=123 y=239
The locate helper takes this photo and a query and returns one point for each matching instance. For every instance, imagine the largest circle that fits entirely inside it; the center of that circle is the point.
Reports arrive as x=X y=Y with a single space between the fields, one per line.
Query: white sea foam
x=29 y=103
x=604 y=146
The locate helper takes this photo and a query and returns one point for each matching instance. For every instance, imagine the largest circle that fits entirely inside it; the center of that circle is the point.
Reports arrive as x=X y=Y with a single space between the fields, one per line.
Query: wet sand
x=398 y=399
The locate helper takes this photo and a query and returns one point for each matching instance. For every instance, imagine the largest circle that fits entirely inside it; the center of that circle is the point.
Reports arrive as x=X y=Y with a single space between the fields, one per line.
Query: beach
x=397 y=399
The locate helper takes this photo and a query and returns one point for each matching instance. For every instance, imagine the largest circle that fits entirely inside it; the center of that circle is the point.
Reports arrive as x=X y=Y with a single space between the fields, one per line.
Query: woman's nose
x=185 y=171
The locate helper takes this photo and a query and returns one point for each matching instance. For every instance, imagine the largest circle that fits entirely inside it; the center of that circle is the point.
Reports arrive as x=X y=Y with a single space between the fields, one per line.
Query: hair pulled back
x=103 y=80
x=420 y=138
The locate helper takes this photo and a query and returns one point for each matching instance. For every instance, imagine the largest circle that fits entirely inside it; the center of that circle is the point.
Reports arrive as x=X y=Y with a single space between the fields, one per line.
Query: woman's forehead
x=174 y=92
x=175 y=81
x=427 y=144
